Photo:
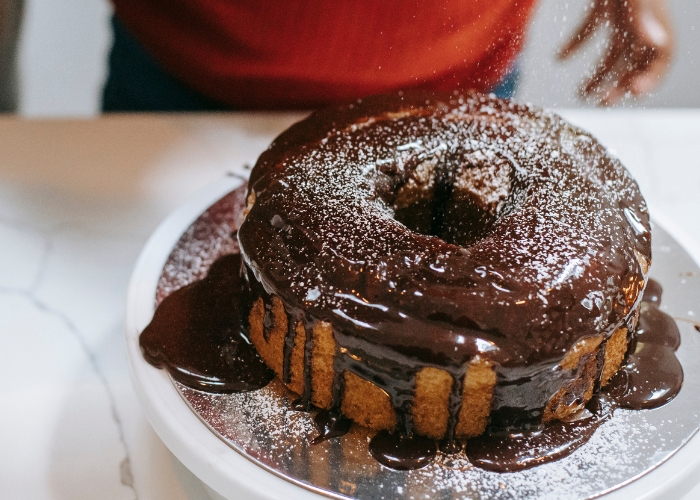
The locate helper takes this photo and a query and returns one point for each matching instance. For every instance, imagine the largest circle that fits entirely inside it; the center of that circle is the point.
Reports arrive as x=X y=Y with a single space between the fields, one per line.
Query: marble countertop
x=78 y=200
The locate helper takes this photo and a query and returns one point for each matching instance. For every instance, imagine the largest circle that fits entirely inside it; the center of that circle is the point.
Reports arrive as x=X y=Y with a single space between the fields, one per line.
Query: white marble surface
x=79 y=198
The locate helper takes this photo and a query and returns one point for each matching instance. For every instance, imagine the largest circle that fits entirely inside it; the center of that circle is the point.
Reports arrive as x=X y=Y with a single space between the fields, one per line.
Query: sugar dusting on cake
x=558 y=231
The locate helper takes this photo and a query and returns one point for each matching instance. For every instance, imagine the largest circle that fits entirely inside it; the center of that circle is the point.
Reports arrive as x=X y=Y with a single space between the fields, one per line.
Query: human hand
x=639 y=50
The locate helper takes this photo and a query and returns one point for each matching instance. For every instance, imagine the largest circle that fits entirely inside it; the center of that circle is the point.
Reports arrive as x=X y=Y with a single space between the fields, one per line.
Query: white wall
x=64 y=46
x=62 y=56
x=549 y=83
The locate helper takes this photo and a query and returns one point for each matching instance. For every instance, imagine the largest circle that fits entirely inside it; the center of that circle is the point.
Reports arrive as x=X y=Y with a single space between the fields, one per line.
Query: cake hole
x=456 y=198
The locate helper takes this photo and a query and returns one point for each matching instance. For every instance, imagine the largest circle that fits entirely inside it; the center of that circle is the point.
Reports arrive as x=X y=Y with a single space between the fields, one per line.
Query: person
x=639 y=50
x=194 y=55
x=10 y=16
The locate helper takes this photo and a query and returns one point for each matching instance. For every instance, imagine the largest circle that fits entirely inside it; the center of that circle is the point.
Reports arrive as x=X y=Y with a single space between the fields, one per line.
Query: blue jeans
x=136 y=82
x=506 y=88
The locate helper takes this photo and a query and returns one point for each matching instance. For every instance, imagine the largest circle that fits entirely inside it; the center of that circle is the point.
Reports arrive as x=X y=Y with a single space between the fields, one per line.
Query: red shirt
x=272 y=54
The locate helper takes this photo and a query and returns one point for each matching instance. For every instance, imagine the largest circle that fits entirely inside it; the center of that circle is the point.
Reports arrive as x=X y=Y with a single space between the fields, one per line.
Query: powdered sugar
x=520 y=193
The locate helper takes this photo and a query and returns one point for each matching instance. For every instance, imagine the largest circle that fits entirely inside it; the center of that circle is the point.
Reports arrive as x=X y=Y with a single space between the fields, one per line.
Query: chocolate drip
x=268 y=320
x=651 y=377
x=600 y=365
x=308 y=351
x=196 y=335
x=652 y=292
x=289 y=340
x=304 y=403
x=338 y=382
x=330 y=424
x=652 y=373
x=450 y=444
x=393 y=378
x=401 y=452
x=404 y=417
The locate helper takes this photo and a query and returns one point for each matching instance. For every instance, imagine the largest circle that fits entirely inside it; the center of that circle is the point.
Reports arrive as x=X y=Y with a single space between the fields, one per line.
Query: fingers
x=616 y=85
x=638 y=54
x=646 y=63
x=646 y=82
x=605 y=68
x=584 y=32
x=637 y=81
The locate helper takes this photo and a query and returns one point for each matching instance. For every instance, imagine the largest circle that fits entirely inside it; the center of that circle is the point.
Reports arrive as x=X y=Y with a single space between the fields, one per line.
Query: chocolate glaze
x=196 y=335
x=330 y=424
x=390 y=288
x=652 y=292
x=401 y=452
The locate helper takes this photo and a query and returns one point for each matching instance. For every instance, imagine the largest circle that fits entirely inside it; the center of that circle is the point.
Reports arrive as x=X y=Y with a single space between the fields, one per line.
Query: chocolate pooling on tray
x=402 y=452
x=330 y=424
x=196 y=334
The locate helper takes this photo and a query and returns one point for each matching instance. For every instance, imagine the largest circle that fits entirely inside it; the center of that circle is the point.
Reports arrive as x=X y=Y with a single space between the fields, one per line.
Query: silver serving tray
x=262 y=427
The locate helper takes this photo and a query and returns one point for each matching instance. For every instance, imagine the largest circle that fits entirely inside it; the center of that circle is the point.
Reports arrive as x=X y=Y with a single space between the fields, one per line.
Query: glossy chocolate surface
x=519 y=451
x=653 y=291
x=196 y=330
x=653 y=375
x=539 y=266
x=401 y=452
x=330 y=424
x=196 y=334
